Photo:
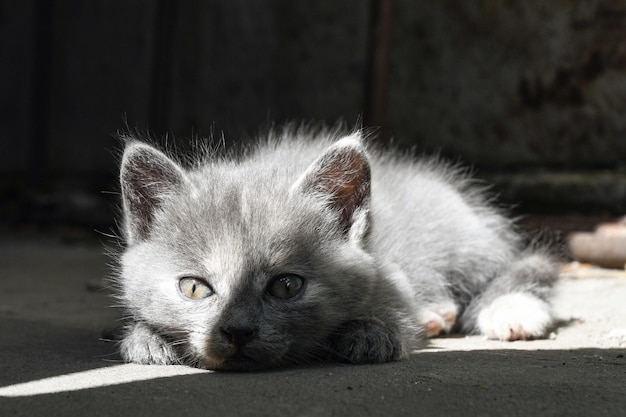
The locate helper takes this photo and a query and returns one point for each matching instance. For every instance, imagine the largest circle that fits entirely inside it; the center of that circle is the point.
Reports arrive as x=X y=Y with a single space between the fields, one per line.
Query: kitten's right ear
x=147 y=176
x=341 y=178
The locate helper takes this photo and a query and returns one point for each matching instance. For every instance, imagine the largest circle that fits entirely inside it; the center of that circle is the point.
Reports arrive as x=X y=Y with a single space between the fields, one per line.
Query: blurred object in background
x=605 y=247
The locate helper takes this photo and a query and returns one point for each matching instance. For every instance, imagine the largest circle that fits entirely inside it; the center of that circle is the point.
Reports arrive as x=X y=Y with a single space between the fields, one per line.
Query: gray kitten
x=312 y=246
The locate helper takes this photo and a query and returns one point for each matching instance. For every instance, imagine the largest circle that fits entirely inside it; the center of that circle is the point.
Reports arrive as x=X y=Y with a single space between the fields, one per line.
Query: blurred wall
x=513 y=83
x=74 y=71
x=506 y=86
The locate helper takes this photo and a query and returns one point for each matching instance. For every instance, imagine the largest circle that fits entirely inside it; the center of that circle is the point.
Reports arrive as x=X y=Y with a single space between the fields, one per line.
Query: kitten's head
x=246 y=265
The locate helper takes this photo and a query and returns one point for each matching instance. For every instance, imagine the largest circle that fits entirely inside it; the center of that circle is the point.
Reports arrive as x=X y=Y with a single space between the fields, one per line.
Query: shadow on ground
x=32 y=350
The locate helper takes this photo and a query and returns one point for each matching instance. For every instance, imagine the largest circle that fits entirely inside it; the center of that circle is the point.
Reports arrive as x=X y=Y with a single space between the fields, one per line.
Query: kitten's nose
x=239 y=336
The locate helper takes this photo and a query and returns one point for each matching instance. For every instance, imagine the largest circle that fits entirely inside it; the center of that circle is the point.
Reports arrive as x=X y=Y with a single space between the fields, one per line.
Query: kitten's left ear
x=147 y=177
x=341 y=178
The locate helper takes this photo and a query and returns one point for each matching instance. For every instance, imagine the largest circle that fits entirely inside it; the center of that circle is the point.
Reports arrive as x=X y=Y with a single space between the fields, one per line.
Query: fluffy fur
x=312 y=246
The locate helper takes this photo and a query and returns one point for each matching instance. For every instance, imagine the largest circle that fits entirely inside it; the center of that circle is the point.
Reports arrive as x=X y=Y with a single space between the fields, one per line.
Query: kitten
x=310 y=247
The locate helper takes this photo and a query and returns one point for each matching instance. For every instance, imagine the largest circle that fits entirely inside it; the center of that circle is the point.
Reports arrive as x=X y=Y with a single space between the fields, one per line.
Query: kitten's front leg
x=142 y=345
x=364 y=341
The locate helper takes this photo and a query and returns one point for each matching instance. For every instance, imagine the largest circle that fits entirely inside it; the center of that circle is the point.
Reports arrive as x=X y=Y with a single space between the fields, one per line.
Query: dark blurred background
x=532 y=94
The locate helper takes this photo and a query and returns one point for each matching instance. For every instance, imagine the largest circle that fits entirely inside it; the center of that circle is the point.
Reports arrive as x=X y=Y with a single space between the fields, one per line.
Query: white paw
x=143 y=346
x=439 y=319
x=516 y=316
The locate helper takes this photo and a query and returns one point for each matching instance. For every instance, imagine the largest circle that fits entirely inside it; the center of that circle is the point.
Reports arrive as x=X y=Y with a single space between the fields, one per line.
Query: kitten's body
x=302 y=256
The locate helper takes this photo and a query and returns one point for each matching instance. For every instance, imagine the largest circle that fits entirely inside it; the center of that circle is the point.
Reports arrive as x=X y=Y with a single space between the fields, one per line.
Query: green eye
x=286 y=287
x=194 y=288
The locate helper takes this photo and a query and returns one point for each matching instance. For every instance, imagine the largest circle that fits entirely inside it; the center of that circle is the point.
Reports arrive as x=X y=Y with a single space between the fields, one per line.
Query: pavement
x=54 y=306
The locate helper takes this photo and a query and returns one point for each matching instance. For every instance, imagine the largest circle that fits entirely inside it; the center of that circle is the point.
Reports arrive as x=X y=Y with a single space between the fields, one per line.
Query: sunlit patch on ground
x=95 y=378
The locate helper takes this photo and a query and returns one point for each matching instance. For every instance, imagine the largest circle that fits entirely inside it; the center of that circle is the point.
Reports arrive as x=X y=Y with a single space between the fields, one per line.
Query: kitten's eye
x=194 y=288
x=286 y=287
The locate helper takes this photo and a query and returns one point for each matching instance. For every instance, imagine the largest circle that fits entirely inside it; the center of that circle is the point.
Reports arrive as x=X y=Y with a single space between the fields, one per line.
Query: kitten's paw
x=439 y=319
x=142 y=345
x=516 y=316
x=366 y=342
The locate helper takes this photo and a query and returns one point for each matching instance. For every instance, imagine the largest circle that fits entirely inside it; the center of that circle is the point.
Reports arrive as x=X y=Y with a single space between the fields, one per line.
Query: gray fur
x=390 y=250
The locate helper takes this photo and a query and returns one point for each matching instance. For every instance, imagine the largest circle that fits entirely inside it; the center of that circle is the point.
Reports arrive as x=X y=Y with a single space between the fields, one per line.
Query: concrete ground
x=53 y=309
